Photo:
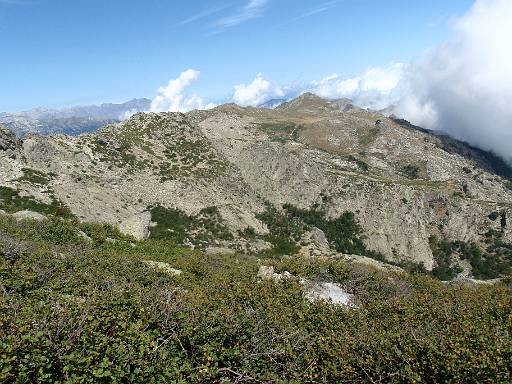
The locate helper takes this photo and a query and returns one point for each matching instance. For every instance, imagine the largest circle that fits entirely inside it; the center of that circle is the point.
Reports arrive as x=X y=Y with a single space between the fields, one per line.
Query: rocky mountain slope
x=220 y=178
x=71 y=121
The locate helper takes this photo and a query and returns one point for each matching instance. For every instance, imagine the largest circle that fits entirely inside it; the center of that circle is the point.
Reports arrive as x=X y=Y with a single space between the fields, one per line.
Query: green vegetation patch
x=286 y=228
x=36 y=177
x=363 y=166
x=370 y=136
x=343 y=232
x=284 y=231
x=281 y=131
x=187 y=158
x=411 y=171
x=201 y=229
x=491 y=261
x=11 y=201
x=96 y=313
x=121 y=156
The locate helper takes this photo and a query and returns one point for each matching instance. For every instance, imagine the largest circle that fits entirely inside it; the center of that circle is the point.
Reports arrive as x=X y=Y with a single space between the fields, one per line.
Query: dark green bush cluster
x=11 y=201
x=344 y=232
x=489 y=262
x=89 y=313
x=443 y=252
x=411 y=171
x=36 y=177
x=284 y=231
x=363 y=166
x=201 y=229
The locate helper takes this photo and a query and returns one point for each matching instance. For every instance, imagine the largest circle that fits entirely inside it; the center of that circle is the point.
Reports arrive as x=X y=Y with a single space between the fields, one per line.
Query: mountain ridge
x=229 y=171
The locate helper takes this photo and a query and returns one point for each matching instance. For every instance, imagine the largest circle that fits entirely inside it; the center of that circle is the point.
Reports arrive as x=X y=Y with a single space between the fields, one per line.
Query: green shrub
x=284 y=231
x=11 y=201
x=492 y=262
x=443 y=251
x=411 y=171
x=344 y=232
x=36 y=177
x=363 y=166
x=77 y=312
x=201 y=229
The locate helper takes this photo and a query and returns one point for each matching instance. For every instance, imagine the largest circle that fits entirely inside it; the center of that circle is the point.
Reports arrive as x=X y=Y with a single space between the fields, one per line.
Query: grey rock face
x=8 y=142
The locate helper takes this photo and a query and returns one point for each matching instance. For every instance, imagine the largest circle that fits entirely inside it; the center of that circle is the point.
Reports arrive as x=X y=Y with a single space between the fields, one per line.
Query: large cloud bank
x=464 y=87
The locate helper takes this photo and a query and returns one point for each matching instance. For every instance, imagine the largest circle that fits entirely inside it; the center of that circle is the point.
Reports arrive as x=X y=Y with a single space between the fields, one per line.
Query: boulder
x=314 y=291
x=328 y=292
x=258 y=246
x=28 y=215
x=267 y=273
x=8 y=141
x=137 y=225
x=316 y=237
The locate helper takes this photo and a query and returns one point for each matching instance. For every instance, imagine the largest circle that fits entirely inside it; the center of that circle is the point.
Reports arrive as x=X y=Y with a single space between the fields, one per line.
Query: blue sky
x=68 y=52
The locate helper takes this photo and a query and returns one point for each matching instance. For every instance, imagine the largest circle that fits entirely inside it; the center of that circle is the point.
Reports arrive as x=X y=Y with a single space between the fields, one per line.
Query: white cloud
x=375 y=88
x=256 y=93
x=252 y=10
x=173 y=98
x=203 y=14
x=322 y=8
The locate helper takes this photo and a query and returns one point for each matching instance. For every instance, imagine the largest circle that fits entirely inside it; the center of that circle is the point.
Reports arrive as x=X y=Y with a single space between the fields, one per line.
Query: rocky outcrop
x=9 y=144
x=402 y=183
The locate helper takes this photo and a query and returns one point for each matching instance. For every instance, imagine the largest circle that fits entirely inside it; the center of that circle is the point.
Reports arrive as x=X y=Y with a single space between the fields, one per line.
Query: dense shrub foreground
x=76 y=311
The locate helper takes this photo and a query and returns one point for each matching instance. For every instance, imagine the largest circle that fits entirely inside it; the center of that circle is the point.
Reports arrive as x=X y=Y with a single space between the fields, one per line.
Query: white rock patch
x=328 y=292
x=313 y=291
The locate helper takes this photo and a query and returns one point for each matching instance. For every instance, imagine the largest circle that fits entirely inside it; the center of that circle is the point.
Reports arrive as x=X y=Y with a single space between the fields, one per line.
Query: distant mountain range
x=72 y=120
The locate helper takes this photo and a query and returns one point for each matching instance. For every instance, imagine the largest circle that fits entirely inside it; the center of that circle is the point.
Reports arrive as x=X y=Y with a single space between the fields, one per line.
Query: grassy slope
x=79 y=311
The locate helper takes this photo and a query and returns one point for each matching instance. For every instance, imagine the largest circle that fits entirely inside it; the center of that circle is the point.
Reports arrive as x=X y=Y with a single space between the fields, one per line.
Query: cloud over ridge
x=462 y=87
x=173 y=96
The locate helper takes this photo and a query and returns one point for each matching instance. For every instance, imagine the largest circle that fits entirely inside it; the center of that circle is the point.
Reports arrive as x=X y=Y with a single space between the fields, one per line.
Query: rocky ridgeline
x=218 y=171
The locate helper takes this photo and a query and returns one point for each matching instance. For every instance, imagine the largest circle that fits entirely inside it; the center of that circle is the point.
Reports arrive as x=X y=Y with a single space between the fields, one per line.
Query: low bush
x=11 y=201
x=411 y=171
x=201 y=229
x=344 y=232
x=88 y=312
